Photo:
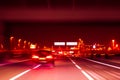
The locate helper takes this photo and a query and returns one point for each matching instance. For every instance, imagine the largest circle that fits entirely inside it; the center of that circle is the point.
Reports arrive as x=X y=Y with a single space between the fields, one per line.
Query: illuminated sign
x=59 y=43
x=71 y=43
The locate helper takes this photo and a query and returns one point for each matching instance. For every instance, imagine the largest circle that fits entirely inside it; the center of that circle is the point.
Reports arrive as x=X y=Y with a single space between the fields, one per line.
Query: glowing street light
x=11 y=42
x=94 y=46
x=28 y=43
x=24 y=46
x=25 y=42
x=113 y=43
x=11 y=38
x=116 y=45
x=19 y=41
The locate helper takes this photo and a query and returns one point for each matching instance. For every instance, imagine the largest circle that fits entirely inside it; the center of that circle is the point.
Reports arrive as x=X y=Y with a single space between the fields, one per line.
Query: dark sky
x=45 y=33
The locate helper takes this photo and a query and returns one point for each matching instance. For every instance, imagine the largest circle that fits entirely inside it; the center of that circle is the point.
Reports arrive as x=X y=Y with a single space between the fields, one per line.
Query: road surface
x=65 y=69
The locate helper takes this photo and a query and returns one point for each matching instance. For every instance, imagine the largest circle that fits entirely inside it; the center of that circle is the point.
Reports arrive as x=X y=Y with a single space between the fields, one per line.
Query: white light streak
x=36 y=66
x=104 y=64
x=17 y=76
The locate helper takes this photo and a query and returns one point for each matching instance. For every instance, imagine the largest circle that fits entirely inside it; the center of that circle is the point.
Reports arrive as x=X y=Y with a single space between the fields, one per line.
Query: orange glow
x=116 y=45
x=34 y=56
x=113 y=40
x=49 y=57
x=11 y=38
x=19 y=40
x=109 y=48
x=25 y=42
x=32 y=46
x=113 y=43
x=28 y=43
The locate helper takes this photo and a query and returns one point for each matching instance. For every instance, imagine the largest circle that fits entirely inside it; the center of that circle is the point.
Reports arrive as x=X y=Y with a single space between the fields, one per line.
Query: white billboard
x=71 y=43
x=59 y=43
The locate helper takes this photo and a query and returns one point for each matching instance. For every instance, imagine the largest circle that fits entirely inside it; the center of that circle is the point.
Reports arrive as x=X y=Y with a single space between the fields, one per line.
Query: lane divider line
x=87 y=75
x=21 y=74
x=104 y=64
x=36 y=66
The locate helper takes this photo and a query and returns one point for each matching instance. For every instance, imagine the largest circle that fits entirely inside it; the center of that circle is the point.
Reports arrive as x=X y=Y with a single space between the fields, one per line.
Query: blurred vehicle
x=43 y=57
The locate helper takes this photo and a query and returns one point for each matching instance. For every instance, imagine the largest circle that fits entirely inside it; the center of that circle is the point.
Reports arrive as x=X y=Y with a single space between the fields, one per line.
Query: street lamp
x=11 y=38
x=24 y=46
x=113 y=43
x=19 y=41
x=11 y=42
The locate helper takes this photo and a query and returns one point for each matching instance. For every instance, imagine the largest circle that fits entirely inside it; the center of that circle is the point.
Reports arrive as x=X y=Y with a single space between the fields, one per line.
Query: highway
x=65 y=69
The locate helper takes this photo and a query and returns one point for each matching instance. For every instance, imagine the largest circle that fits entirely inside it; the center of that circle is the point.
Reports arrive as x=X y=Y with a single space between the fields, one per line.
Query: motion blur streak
x=88 y=76
x=104 y=64
x=36 y=66
x=75 y=64
x=114 y=75
x=96 y=76
x=17 y=76
x=14 y=78
x=24 y=72
x=78 y=66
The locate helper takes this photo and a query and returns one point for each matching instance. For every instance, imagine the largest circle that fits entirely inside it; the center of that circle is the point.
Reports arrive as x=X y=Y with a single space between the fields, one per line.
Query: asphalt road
x=65 y=69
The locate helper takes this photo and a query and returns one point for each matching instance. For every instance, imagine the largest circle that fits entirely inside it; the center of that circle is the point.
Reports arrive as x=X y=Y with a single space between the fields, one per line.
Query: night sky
x=45 y=33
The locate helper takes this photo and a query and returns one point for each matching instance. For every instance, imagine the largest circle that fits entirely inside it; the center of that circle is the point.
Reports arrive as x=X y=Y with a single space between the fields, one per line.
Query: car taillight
x=49 y=57
x=35 y=56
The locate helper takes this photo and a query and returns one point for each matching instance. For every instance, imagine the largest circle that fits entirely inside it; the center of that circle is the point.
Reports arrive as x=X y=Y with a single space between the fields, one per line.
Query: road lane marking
x=36 y=66
x=104 y=64
x=19 y=75
x=78 y=67
x=87 y=75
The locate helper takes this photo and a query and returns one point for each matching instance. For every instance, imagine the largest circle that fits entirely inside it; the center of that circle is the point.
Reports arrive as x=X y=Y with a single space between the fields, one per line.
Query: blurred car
x=43 y=57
